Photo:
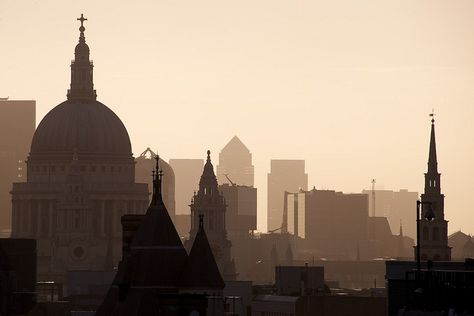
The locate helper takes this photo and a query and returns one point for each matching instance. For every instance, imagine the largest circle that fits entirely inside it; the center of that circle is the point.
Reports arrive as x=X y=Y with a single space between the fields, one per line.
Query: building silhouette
x=143 y=164
x=241 y=213
x=208 y=201
x=156 y=276
x=434 y=234
x=285 y=175
x=187 y=173
x=235 y=163
x=81 y=180
x=17 y=125
x=332 y=223
x=396 y=206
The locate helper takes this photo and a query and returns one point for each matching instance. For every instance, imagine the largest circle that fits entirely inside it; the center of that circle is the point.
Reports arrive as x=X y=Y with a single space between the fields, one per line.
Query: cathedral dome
x=89 y=127
x=81 y=124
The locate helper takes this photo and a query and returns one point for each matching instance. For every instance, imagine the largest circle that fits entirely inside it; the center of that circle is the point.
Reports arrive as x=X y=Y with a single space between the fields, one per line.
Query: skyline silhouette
x=333 y=87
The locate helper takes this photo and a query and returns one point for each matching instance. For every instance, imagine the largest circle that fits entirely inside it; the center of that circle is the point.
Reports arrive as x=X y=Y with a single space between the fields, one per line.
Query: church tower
x=434 y=234
x=208 y=201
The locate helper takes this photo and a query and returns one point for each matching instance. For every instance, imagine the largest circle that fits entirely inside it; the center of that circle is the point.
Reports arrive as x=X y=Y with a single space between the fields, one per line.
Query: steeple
x=82 y=85
x=208 y=182
x=432 y=177
x=432 y=160
x=202 y=271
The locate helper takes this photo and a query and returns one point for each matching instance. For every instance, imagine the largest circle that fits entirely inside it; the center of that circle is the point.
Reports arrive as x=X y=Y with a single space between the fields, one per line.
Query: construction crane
x=232 y=183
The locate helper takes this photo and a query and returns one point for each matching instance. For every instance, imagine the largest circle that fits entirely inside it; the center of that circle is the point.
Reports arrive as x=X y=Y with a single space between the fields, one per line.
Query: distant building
x=235 y=161
x=241 y=213
x=143 y=164
x=210 y=203
x=81 y=180
x=299 y=280
x=459 y=243
x=285 y=175
x=334 y=223
x=396 y=206
x=17 y=125
x=186 y=174
x=434 y=233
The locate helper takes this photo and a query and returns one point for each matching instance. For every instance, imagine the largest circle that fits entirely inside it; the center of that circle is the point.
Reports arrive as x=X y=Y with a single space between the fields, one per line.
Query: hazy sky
x=345 y=85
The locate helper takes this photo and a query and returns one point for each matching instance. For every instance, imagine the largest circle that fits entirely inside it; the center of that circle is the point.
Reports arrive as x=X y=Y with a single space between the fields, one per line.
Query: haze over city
x=345 y=85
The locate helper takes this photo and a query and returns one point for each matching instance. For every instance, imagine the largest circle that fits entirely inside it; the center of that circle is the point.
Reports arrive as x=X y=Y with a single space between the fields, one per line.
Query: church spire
x=82 y=85
x=432 y=159
x=157 y=176
x=432 y=177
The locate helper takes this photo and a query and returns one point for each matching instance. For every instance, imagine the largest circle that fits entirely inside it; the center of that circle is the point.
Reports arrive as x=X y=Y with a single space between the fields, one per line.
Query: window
x=436 y=234
x=426 y=233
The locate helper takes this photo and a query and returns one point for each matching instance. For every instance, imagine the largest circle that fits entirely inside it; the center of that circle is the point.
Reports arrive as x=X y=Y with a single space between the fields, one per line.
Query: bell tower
x=208 y=201
x=434 y=234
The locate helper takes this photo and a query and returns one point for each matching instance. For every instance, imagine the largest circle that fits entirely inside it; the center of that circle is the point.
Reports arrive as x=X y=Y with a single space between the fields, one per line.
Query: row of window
x=118 y=169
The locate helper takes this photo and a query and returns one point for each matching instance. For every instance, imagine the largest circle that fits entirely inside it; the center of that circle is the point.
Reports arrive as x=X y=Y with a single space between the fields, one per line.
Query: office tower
x=434 y=232
x=285 y=175
x=208 y=201
x=235 y=164
x=17 y=125
x=334 y=223
x=81 y=180
x=241 y=213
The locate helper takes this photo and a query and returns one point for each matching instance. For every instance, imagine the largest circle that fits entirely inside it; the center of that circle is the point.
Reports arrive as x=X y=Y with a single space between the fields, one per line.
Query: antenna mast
x=373 y=197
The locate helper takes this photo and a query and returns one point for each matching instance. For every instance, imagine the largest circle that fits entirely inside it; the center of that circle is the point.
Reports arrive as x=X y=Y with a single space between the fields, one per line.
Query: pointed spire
x=432 y=159
x=202 y=271
x=401 y=229
x=157 y=178
x=82 y=85
x=208 y=181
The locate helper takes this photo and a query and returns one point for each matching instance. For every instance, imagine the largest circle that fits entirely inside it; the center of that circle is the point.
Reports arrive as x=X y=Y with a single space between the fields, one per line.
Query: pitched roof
x=235 y=145
x=202 y=271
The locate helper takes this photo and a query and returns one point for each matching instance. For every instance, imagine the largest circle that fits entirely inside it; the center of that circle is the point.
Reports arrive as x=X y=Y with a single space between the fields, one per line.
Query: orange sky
x=346 y=85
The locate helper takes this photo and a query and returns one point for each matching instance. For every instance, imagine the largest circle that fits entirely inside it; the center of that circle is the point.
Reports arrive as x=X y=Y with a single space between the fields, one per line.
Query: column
x=50 y=211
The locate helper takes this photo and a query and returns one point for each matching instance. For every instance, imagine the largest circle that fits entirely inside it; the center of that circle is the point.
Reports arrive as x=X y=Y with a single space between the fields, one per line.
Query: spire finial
x=208 y=155
x=432 y=115
x=201 y=222
x=82 y=28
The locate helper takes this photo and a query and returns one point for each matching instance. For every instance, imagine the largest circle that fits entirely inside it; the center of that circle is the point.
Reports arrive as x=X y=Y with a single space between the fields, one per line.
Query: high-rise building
x=285 y=175
x=187 y=173
x=396 y=206
x=143 y=164
x=235 y=164
x=434 y=233
x=81 y=180
x=241 y=213
x=333 y=223
x=208 y=201
x=17 y=125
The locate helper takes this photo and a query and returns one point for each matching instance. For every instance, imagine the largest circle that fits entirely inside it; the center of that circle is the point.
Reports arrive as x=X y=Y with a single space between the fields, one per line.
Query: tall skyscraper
x=285 y=175
x=81 y=180
x=434 y=234
x=187 y=173
x=208 y=201
x=235 y=161
x=17 y=125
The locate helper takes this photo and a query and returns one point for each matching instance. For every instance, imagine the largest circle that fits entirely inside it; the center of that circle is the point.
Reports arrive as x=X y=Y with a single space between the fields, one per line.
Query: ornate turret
x=82 y=85
x=208 y=201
